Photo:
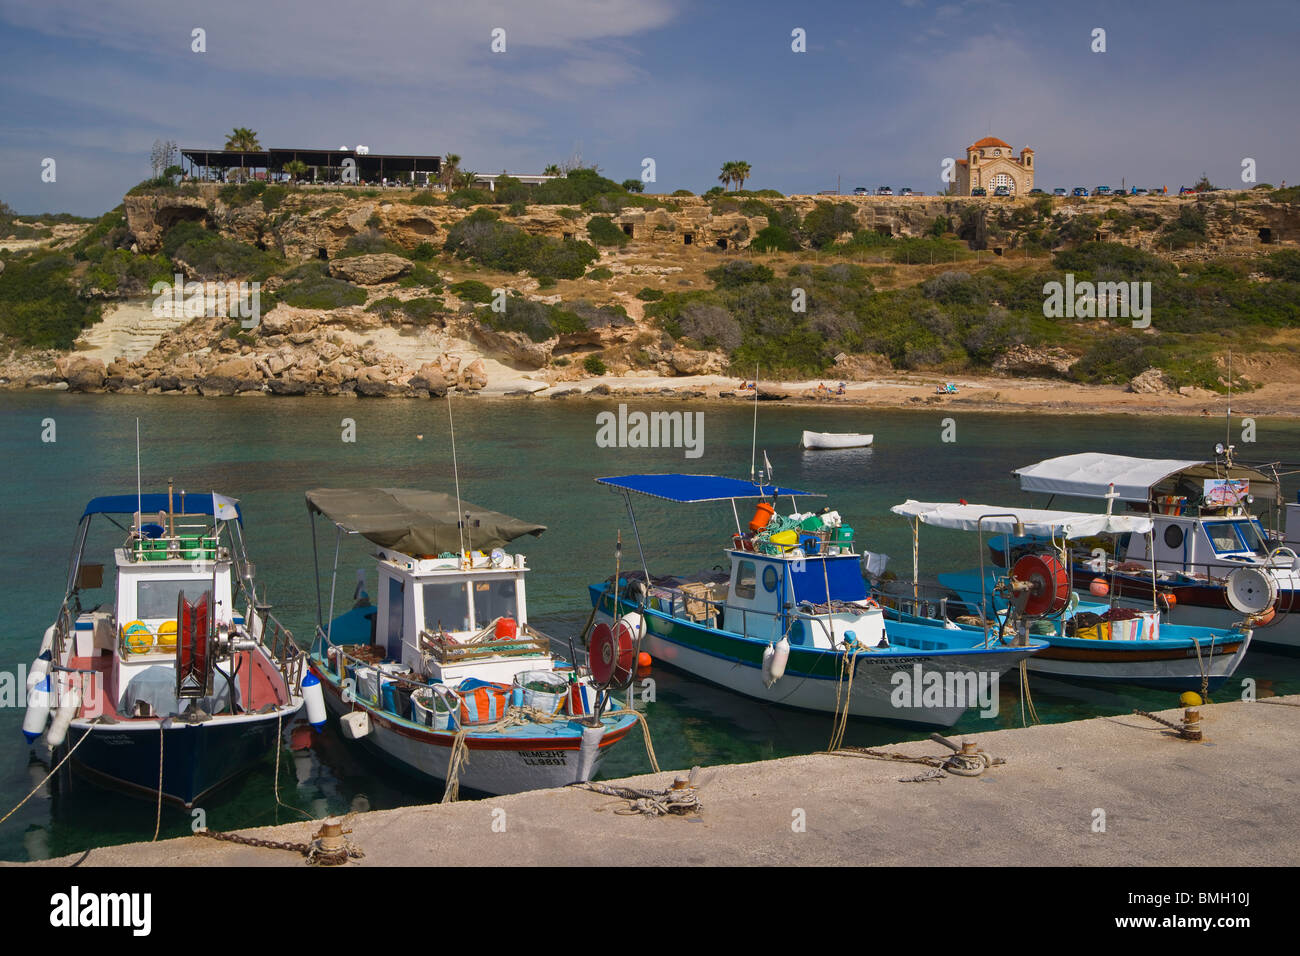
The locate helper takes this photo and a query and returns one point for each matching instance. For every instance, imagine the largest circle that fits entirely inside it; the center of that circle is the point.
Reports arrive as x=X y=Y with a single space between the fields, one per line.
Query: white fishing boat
x=181 y=679
x=1088 y=639
x=445 y=677
x=1210 y=558
x=824 y=441
x=790 y=622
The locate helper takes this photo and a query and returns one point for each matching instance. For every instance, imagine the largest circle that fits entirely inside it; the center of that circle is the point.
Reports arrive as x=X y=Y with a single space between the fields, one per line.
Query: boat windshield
x=158 y=597
x=446 y=606
x=1233 y=537
x=842 y=577
x=494 y=599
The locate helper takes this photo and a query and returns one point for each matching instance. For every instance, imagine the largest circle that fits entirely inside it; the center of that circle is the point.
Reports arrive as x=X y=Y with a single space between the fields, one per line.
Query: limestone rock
x=370 y=270
x=431 y=378
x=1149 y=382
x=1049 y=361
x=474 y=376
x=692 y=362
x=373 y=382
x=81 y=374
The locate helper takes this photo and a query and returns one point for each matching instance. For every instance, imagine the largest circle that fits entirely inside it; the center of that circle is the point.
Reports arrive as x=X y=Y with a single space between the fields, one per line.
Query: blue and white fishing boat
x=181 y=673
x=1210 y=558
x=790 y=621
x=444 y=677
x=1087 y=639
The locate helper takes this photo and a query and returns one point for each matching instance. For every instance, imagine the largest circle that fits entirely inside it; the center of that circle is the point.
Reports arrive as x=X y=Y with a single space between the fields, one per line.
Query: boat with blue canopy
x=1088 y=638
x=173 y=678
x=790 y=621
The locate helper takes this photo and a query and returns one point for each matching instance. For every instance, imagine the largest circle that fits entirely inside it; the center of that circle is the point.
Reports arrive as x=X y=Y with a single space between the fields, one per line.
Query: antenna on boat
x=1227 y=426
x=139 y=494
x=753 y=445
x=455 y=470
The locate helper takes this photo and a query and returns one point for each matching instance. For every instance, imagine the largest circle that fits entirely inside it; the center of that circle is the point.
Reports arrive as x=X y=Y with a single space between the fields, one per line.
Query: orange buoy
x=1099 y=587
x=1265 y=618
x=507 y=627
x=762 y=515
x=1169 y=598
x=643 y=663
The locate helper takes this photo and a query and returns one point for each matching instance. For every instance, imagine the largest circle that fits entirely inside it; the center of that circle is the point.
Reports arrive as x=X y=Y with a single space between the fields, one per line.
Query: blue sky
x=885 y=91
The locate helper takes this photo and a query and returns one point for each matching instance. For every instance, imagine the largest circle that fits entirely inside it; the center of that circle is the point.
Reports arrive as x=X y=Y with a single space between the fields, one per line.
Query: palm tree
x=741 y=172
x=728 y=174
x=551 y=170
x=450 y=167
x=465 y=180
x=295 y=169
x=243 y=138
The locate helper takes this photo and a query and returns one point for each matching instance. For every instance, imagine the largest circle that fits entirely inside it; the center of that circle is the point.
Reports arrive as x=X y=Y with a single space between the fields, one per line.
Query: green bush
x=38 y=305
x=739 y=272
x=212 y=256
x=464 y=198
x=592 y=365
x=774 y=239
x=419 y=277
x=237 y=194
x=123 y=272
x=650 y=295
x=827 y=222
x=538 y=320
x=508 y=248
x=321 y=292
x=272 y=196
x=600 y=274
x=424 y=252
x=369 y=244
x=603 y=232
x=471 y=290
x=426 y=198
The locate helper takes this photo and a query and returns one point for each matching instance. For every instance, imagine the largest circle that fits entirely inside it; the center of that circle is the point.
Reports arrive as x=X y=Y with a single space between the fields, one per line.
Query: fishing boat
x=790 y=621
x=179 y=674
x=444 y=677
x=1087 y=639
x=822 y=441
x=1210 y=556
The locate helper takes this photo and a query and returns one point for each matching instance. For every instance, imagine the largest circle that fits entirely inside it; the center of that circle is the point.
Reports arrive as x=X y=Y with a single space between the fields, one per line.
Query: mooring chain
x=329 y=846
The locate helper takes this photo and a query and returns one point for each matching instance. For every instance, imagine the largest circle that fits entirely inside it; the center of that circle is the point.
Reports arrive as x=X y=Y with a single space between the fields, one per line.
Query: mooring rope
x=279 y=745
x=848 y=666
x=35 y=789
x=516 y=716
x=157 y=823
x=1026 y=698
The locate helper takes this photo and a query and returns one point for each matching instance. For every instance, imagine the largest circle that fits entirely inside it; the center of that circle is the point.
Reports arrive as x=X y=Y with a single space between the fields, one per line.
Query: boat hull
x=196 y=758
x=494 y=766
x=829 y=441
x=813 y=678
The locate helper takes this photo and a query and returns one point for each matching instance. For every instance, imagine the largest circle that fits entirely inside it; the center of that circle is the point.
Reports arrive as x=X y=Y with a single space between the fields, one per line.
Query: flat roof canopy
x=686 y=489
x=1090 y=475
x=416 y=522
x=274 y=158
x=1033 y=522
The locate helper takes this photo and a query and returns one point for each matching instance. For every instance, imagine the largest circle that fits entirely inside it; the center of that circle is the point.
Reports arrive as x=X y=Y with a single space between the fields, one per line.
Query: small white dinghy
x=826 y=440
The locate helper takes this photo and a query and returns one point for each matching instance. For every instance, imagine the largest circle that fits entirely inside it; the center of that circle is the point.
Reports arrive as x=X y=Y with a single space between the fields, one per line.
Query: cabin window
x=1252 y=537
x=494 y=599
x=1174 y=536
x=156 y=597
x=746 y=580
x=445 y=606
x=396 y=592
x=1222 y=538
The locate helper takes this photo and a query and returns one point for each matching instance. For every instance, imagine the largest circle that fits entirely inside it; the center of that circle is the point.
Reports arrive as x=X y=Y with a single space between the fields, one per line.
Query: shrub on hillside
x=212 y=256
x=603 y=232
x=39 y=306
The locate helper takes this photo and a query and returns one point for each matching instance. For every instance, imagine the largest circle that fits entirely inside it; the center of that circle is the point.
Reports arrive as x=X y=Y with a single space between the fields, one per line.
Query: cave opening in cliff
x=1266 y=236
x=627 y=228
x=322 y=254
x=687 y=239
x=722 y=243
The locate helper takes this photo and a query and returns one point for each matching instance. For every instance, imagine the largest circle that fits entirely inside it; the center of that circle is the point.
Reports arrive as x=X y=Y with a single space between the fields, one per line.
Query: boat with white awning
x=1088 y=639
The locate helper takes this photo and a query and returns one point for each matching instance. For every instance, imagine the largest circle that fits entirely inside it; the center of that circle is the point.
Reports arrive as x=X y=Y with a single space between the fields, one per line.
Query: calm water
x=535 y=460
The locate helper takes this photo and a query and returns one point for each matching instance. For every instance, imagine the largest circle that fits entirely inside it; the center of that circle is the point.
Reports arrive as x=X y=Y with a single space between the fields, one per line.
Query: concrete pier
x=1227 y=800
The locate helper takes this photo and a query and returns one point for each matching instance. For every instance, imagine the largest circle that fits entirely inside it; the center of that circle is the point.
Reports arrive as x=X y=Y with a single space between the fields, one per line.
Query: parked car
x=1184 y=190
x=1037 y=192
x=1060 y=191
x=1139 y=192
x=1101 y=191
x=862 y=191
x=1081 y=191
x=905 y=191
x=979 y=191
x=1002 y=191
x=884 y=191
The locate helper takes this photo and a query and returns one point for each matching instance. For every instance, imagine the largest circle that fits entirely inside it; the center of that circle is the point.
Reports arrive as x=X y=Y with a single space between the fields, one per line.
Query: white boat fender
x=355 y=725
x=774 y=660
x=69 y=704
x=40 y=667
x=636 y=622
x=588 y=750
x=313 y=695
x=38 y=709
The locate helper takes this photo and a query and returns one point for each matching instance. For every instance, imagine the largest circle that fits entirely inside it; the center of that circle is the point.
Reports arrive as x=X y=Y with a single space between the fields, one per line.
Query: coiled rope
x=848 y=665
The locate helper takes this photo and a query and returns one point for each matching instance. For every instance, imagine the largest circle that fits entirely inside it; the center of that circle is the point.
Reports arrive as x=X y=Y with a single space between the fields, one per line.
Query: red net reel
x=1049 y=584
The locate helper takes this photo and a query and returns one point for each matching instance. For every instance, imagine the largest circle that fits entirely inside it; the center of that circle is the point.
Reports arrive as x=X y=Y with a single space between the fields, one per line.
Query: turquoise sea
x=535 y=459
